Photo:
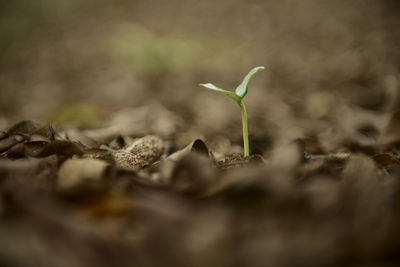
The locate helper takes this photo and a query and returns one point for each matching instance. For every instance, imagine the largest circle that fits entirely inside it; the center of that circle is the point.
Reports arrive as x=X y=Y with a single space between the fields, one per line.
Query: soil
x=140 y=201
x=112 y=155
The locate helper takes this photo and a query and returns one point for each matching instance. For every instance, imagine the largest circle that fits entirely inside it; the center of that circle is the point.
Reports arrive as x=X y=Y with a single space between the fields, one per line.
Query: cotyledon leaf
x=242 y=89
x=225 y=92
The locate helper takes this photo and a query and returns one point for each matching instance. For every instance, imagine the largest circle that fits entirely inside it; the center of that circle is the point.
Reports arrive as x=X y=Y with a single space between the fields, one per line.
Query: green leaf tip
x=225 y=92
x=242 y=89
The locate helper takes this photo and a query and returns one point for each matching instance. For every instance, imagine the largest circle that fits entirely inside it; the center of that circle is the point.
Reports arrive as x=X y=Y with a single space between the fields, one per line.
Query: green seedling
x=238 y=97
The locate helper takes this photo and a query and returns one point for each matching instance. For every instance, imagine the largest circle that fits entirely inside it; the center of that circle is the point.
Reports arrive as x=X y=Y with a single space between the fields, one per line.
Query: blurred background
x=79 y=63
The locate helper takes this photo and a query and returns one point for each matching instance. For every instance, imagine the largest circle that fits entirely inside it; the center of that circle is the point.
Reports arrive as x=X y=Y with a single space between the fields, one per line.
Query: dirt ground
x=92 y=198
x=112 y=155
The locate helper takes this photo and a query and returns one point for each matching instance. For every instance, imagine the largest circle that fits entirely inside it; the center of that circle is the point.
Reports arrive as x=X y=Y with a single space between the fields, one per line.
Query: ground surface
x=93 y=198
x=126 y=161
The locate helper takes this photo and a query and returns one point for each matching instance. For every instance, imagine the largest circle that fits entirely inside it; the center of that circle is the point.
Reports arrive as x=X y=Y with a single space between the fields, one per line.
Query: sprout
x=238 y=96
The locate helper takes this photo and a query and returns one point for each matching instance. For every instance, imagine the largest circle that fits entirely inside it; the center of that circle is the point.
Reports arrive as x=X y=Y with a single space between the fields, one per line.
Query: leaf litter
x=130 y=196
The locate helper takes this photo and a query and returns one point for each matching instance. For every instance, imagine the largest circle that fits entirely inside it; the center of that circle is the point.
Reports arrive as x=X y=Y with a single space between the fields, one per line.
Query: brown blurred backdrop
x=80 y=62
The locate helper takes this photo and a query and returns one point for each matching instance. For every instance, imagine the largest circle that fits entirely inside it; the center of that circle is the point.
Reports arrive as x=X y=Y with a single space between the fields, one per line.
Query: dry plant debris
x=128 y=200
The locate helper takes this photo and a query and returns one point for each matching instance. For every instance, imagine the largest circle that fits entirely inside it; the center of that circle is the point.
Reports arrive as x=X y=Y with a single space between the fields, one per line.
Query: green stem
x=245 y=129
